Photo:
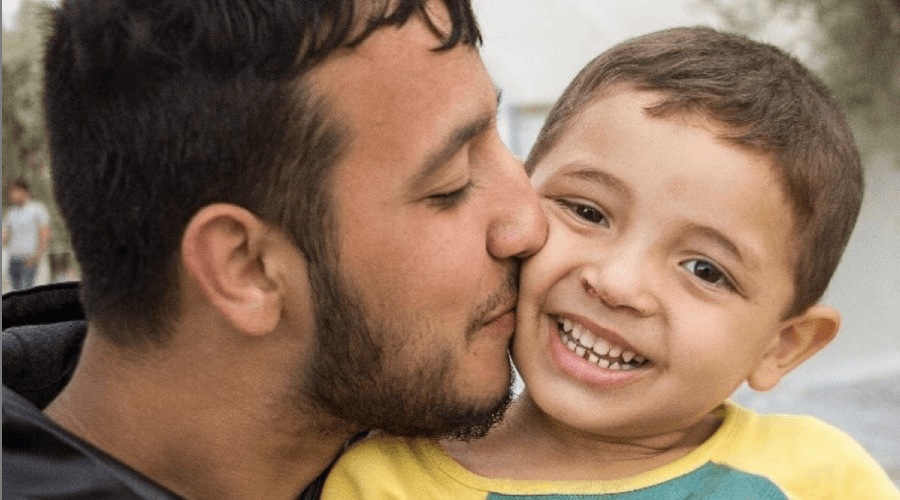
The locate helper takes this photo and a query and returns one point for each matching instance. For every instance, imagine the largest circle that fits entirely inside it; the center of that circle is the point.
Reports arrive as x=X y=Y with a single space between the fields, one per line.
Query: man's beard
x=360 y=373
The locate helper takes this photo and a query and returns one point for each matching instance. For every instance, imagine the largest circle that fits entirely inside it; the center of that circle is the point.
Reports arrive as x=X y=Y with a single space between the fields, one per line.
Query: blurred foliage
x=853 y=45
x=25 y=152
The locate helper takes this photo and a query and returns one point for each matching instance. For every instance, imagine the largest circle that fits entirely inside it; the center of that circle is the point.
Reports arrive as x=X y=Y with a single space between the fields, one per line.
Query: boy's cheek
x=549 y=268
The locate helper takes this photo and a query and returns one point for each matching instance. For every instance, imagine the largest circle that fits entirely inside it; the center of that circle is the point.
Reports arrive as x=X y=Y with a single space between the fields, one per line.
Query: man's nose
x=519 y=228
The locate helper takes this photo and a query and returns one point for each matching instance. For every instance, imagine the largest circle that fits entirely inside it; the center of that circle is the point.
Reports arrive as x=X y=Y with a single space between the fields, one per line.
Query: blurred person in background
x=26 y=234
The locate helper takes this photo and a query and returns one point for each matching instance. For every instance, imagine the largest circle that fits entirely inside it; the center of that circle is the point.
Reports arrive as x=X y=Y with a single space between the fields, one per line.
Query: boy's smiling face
x=669 y=255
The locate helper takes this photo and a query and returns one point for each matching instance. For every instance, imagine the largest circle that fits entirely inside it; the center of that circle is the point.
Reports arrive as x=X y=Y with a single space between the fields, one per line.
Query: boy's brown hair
x=761 y=99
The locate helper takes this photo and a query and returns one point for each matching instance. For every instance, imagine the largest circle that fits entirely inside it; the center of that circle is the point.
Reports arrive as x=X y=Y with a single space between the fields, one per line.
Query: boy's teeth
x=597 y=350
x=601 y=347
x=577 y=332
x=587 y=339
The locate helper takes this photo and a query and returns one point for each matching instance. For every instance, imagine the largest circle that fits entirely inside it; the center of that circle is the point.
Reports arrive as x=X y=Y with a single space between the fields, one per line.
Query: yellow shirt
x=749 y=456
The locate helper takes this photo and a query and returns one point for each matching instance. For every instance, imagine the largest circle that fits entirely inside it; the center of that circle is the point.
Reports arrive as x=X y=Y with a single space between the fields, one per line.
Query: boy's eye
x=585 y=212
x=708 y=272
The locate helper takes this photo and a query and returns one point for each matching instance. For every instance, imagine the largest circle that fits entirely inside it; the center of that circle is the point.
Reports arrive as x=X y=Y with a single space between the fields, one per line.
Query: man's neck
x=194 y=431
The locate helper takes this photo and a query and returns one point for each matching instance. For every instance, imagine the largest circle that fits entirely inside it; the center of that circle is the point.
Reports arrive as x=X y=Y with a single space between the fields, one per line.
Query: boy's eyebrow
x=586 y=172
x=746 y=257
x=456 y=140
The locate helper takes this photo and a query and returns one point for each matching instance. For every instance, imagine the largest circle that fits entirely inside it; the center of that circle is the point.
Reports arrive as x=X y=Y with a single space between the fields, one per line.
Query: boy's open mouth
x=597 y=350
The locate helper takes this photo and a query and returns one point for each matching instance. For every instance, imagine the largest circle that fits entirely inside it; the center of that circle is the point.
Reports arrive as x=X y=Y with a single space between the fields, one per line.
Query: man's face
x=17 y=196
x=432 y=213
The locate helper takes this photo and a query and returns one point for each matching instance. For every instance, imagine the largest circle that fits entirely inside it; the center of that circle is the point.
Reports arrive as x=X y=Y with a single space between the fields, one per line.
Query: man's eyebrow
x=456 y=140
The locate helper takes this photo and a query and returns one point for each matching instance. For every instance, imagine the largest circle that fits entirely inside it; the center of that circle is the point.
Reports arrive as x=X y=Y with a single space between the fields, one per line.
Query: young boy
x=700 y=188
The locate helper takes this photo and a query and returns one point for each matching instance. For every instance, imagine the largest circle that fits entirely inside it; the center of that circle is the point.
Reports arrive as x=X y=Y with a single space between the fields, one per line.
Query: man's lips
x=500 y=312
x=504 y=315
x=501 y=324
x=498 y=306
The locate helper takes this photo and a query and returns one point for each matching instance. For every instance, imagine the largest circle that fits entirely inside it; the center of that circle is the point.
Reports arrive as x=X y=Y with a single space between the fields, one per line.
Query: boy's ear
x=799 y=338
x=225 y=250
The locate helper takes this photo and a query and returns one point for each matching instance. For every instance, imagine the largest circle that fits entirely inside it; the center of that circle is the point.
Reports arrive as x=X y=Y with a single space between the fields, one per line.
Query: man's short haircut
x=19 y=184
x=759 y=98
x=158 y=108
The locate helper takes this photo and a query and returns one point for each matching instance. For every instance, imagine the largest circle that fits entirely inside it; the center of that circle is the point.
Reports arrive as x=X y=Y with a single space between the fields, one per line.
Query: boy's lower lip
x=581 y=369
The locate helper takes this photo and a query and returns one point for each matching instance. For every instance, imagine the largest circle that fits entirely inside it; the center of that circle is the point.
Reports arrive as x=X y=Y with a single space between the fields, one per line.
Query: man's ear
x=225 y=249
x=799 y=339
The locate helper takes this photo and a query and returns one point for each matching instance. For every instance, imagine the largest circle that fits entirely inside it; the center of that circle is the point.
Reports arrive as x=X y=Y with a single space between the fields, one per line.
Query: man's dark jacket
x=43 y=330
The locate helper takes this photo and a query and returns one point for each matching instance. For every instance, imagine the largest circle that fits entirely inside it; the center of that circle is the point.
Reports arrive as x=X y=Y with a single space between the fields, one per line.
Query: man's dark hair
x=759 y=98
x=157 y=108
x=20 y=184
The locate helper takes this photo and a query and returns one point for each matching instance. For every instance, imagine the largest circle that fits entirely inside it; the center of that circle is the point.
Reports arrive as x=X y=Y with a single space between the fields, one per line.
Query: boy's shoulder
x=790 y=456
x=377 y=447
x=389 y=456
x=781 y=434
x=801 y=454
x=383 y=466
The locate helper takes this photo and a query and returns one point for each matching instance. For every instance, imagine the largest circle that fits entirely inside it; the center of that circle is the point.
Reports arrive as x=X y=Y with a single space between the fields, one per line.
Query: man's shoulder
x=11 y=215
x=43 y=460
x=44 y=328
x=36 y=208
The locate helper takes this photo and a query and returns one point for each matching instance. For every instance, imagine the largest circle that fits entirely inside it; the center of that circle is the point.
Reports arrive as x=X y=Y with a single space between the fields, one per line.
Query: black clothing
x=42 y=460
x=44 y=328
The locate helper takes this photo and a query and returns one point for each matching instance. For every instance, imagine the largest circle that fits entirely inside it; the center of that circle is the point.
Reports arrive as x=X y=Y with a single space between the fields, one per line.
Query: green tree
x=854 y=45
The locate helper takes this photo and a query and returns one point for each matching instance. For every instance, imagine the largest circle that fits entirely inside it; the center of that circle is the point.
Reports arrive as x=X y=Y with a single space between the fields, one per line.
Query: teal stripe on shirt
x=710 y=482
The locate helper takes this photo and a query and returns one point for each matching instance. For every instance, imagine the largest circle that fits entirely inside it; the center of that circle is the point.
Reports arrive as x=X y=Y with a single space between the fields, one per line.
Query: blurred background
x=533 y=48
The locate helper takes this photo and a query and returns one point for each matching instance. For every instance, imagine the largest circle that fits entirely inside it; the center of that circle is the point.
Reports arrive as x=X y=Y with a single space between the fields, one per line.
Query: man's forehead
x=393 y=48
x=397 y=71
x=406 y=107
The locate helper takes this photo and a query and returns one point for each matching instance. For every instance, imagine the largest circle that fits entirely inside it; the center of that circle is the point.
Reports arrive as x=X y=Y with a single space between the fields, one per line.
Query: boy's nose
x=619 y=282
